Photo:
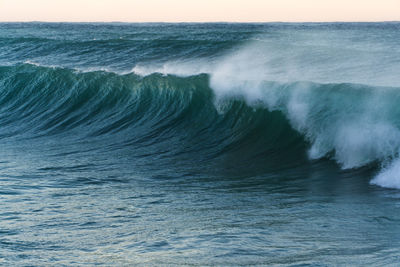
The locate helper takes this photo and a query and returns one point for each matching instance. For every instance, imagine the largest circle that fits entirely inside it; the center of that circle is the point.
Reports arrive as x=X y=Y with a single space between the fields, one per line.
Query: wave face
x=182 y=113
x=199 y=144
x=352 y=124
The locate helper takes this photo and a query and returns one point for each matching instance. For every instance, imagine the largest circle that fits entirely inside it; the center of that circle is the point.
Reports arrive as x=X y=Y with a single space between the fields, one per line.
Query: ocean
x=216 y=144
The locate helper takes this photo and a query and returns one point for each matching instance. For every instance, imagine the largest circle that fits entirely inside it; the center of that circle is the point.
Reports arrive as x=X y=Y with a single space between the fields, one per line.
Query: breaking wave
x=209 y=115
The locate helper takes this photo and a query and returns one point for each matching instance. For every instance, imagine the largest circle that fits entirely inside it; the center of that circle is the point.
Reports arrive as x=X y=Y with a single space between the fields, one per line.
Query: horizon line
x=200 y=22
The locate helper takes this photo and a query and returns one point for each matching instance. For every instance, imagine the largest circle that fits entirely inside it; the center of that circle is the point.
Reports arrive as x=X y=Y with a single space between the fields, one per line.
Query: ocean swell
x=210 y=115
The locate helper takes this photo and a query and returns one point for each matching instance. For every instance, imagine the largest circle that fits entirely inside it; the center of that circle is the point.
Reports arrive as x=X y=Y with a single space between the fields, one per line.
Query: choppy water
x=199 y=144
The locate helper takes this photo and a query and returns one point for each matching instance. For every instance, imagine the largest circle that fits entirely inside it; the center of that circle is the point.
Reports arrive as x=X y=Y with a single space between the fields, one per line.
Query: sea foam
x=359 y=123
x=343 y=109
x=335 y=111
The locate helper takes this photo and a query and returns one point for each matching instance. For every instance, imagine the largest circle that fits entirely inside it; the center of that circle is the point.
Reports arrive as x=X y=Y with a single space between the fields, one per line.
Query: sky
x=199 y=10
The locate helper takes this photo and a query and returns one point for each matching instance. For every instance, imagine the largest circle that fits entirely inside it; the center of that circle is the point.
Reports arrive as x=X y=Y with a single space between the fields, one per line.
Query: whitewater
x=204 y=144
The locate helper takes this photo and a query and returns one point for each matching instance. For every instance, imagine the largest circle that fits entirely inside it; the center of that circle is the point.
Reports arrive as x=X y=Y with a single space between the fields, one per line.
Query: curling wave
x=208 y=115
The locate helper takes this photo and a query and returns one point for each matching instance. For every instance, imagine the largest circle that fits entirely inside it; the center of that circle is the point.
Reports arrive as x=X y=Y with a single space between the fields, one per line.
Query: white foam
x=358 y=144
x=75 y=69
x=37 y=64
x=351 y=130
x=178 y=68
x=389 y=176
x=356 y=132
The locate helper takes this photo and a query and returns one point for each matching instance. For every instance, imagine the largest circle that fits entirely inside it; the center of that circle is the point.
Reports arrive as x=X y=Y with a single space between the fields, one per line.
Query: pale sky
x=199 y=10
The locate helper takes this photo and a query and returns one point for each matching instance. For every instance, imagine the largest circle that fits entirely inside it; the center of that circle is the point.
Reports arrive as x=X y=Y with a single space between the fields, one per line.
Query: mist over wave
x=341 y=96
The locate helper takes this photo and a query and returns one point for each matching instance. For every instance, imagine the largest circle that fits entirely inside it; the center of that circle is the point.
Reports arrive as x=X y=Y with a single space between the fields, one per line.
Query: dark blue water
x=199 y=144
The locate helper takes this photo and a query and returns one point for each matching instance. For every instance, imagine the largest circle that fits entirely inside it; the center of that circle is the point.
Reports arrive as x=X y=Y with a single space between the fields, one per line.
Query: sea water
x=199 y=144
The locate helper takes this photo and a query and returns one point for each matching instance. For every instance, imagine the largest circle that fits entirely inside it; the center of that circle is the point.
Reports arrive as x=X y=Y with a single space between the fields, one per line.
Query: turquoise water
x=199 y=144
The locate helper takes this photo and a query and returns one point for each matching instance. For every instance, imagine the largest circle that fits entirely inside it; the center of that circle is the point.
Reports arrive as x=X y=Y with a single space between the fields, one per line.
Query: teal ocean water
x=199 y=144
